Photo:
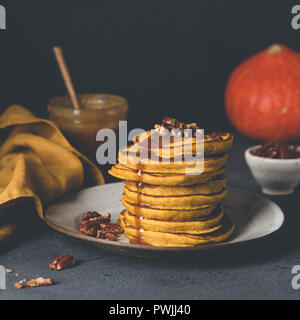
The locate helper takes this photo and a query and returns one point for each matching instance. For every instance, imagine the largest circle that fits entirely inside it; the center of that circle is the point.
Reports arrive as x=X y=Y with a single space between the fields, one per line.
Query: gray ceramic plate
x=254 y=216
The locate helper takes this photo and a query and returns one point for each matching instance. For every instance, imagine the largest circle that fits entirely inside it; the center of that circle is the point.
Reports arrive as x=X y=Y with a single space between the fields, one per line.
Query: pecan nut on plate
x=99 y=226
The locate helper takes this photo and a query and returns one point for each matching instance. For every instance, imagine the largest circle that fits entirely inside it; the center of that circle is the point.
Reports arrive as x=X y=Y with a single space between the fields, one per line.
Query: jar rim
x=92 y=102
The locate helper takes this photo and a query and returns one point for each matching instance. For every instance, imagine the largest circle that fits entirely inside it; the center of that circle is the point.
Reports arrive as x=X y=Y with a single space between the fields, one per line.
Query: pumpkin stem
x=274 y=49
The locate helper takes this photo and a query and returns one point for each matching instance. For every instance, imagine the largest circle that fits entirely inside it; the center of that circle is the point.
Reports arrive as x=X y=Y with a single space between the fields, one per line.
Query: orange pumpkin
x=263 y=95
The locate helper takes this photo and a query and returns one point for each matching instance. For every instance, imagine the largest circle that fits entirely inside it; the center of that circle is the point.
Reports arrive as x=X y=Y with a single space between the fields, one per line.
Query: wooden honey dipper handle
x=66 y=76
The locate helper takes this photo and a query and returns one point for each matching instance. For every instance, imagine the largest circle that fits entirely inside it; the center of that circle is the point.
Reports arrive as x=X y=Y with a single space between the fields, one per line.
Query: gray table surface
x=261 y=270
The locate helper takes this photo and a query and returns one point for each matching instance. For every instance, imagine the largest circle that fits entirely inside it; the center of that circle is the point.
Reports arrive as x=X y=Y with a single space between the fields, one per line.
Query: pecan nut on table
x=62 y=262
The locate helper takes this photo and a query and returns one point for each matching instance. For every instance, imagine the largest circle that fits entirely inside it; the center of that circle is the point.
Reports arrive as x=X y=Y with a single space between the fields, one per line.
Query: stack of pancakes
x=165 y=206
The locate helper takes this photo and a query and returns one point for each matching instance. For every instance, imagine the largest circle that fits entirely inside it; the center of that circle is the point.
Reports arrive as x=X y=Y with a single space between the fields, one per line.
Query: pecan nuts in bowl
x=276 y=167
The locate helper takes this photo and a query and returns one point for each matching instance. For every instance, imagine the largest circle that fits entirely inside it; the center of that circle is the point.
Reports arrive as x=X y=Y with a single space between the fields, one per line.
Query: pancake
x=177 y=179
x=132 y=161
x=198 y=226
x=212 y=186
x=174 y=202
x=211 y=145
x=166 y=239
x=167 y=214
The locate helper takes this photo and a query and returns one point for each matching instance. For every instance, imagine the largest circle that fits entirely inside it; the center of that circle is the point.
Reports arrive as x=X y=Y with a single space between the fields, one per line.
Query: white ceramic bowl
x=276 y=176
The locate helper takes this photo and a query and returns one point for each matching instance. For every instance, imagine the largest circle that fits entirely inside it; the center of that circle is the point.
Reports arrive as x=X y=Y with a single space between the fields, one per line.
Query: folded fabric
x=36 y=161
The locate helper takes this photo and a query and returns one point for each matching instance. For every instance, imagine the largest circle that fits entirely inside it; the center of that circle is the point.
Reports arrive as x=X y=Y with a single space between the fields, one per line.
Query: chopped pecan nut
x=61 y=262
x=90 y=231
x=111 y=236
x=107 y=235
x=40 y=282
x=100 y=235
x=175 y=126
x=89 y=215
x=277 y=150
x=95 y=221
x=91 y=226
x=19 y=285
x=111 y=227
x=99 y=226
x=172 y=123
x=91 y=222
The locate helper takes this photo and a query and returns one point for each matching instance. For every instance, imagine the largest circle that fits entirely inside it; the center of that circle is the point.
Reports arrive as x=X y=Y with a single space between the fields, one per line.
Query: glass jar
x=98 y=111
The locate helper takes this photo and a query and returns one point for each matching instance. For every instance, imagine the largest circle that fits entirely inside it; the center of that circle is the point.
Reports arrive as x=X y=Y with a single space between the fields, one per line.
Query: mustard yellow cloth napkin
x=37 y=162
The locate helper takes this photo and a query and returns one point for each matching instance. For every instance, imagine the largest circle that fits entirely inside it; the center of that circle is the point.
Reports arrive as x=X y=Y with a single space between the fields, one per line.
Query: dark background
x=168 y=57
